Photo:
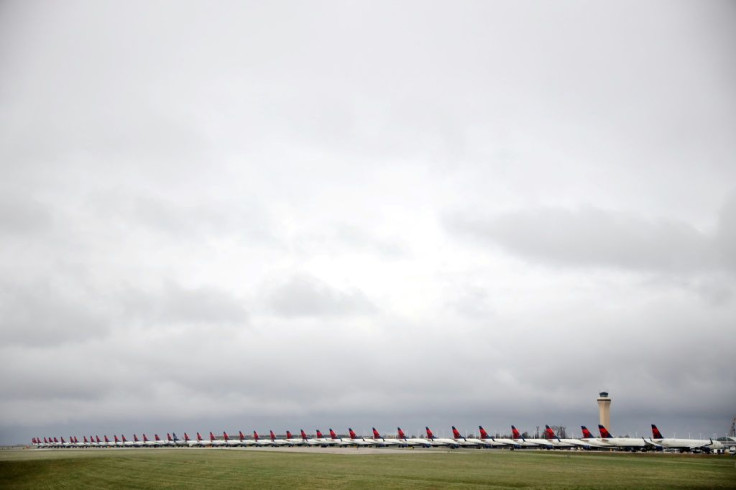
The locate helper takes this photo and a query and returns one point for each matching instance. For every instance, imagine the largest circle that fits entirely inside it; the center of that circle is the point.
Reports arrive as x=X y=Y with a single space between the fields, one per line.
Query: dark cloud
x=176 y=305
x=306 y=296
x=49 y=314
x=590 y=236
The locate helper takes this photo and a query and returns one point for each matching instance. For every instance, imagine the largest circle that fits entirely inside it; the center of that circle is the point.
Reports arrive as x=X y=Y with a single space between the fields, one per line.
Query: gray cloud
x=590 y=236
x=49 y=314
x=307 y=296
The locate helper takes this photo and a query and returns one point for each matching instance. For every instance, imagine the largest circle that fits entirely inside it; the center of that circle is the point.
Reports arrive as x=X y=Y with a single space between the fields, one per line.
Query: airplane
x=441 y=442
x=179 y=442
x=412 y=441
x=258 y=441
x=380 y=441
x=292 y=441
x=228 y=441
x=468 y=442
x=626 y=443
x=315 y=441
x=277 y=442
x=326 y=441
x=593 y=441
x=215 y=442
x=683 y=445
x=127 y=443
x=243 y=440
x=359 y=441
x=492 y=441
x=558 y=443
x=169 y=441
x=523 y=442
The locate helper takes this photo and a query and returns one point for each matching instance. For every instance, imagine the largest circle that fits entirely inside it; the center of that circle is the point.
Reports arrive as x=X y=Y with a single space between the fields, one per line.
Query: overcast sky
x=252 y=215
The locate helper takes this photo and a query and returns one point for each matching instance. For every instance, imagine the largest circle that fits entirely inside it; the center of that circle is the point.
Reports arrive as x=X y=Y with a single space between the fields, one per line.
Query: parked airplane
x=626 y=443
x=412 y=441
x=380 y=441
x=558 y=443
x=683 y=445
x=436 y=441
x=471 y=441
x=523 y=442
x=492 y=441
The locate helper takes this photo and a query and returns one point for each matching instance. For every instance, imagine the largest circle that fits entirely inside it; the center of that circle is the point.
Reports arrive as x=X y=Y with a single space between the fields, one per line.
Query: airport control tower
x=604 y=409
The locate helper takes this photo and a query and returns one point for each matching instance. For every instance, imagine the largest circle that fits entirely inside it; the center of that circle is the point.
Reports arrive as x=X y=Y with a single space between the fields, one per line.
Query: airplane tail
x=549 y=433
x=656 y=434
x=255 y=436
x=515 y=433
x=107 y=441
x=288 y=434
x=319 y=434
x=456 y=433
x=273 y=436
x=376 y=435
x=241 y=436
x=158 y=439
x=186 y=437
x=483 y=433
x=352 y=433
x=212 y=437
x=401 y=433
x=168 y=437
x=225 y=436
x=586 y=433
x=199 y=437
x=430 y=436
x=332 y=434
x=304 y=435
x=604 y=432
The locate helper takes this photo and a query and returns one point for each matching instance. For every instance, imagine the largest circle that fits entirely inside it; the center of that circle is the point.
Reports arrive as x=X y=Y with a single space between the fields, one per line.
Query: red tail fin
x=319 y=434
x=515 y=433
x=332 y=434
x=212 y=437
x=604 y=432
x=168 y=437
x=224 y=434
x=240 y=434
x=186 y=437
x=273 y=437
x=352 y=433
x=199 y=437
x=304 y=435
x=124 y=439
x=401 y=433
x=656 y=434
x=255 y=436
x=106 y=439
x=86 y=441
x=98 y=439
x=483 y=433
x=376 y=435
x=549 y=433
x=586 y=433
x=158 y=439
x=430 y=436
x=456 y=433
x=288 y=434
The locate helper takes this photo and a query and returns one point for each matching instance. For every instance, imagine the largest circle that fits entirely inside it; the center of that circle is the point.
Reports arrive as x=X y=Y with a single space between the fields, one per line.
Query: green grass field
x=231 y=468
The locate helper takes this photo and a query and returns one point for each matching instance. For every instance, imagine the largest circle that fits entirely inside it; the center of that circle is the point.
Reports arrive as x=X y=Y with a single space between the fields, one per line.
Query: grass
x=230 y=468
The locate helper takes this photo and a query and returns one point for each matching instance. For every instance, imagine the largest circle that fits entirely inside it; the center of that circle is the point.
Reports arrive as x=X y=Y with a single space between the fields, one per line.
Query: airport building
x=604 y=409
